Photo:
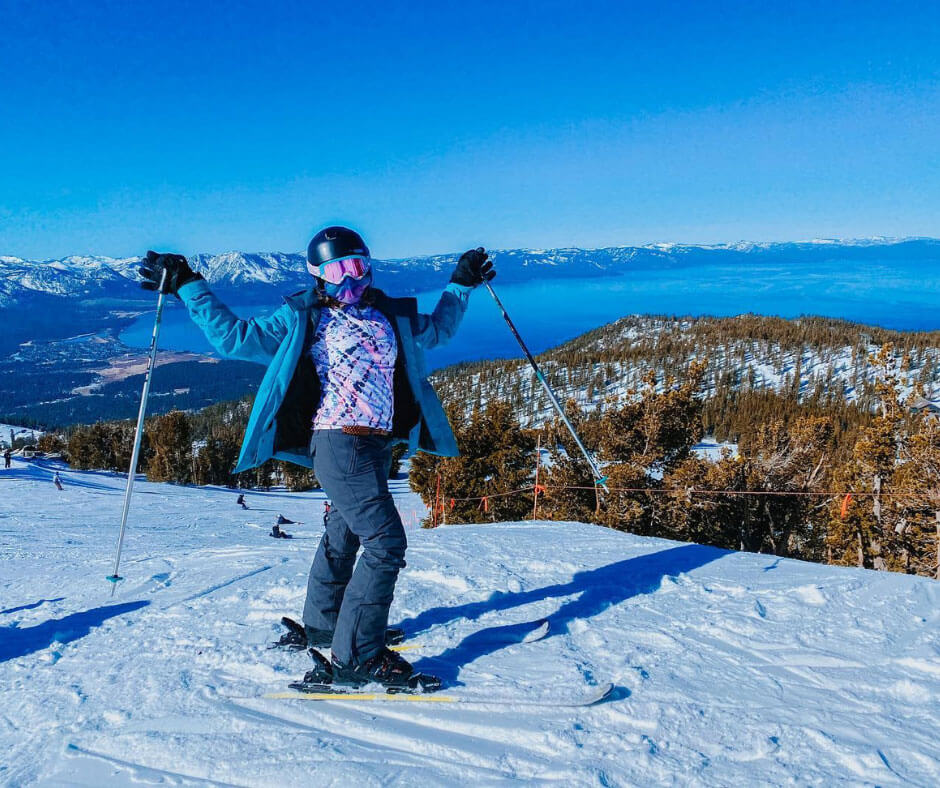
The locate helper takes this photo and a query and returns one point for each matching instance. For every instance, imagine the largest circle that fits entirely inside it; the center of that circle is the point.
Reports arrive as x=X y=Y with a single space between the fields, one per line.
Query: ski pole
x=599 y=479
x=114 y=577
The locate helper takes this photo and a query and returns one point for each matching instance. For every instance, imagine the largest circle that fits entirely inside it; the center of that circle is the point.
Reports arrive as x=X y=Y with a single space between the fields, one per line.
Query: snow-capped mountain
x=108 y=277
x=70 y=276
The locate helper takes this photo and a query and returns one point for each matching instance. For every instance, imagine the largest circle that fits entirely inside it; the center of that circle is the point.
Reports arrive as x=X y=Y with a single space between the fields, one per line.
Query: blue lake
x=548 y=312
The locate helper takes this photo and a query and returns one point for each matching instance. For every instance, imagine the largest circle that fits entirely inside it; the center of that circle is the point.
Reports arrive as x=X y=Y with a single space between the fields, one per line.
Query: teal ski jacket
x=282 y=415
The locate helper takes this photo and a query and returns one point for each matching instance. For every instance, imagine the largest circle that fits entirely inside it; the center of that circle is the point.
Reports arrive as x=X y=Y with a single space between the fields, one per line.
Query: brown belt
x=356 y=429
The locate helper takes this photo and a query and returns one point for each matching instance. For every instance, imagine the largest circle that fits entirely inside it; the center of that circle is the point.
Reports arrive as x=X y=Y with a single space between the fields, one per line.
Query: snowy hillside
x=730 y=669
x=607 y=366
x=9 y=433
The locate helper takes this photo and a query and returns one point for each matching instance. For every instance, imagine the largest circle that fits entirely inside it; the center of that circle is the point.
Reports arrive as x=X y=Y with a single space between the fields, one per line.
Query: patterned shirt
x=354 y=351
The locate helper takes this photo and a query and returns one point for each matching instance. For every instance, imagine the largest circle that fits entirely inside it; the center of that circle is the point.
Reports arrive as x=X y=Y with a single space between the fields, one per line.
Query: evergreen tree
x=297 y=478
x=570 y=492
x=216 y=457
x=171 y=444
x=496 y=457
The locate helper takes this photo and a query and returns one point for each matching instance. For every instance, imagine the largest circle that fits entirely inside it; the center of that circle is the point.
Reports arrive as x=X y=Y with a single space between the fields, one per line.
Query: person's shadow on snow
x=597 y=589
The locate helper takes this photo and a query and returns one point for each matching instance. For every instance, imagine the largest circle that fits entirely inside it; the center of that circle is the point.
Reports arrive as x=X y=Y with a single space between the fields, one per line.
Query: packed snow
x=729 y=668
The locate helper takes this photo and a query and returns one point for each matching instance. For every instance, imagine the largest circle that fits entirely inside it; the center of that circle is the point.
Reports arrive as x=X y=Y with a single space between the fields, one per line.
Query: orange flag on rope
x=845 y=505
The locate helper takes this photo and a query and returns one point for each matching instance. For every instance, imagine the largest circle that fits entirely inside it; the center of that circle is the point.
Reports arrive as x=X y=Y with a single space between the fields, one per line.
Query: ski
x=325 y=692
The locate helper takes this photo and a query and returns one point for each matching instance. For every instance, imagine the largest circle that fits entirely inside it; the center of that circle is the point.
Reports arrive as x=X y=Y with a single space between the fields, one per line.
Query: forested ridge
x=817 y=360
x=834 y=455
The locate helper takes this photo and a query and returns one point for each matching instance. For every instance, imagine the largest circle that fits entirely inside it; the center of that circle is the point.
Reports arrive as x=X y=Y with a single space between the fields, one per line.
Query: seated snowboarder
x=277 y=533
x=345 y=379
x=276 y=530
x=241 y=501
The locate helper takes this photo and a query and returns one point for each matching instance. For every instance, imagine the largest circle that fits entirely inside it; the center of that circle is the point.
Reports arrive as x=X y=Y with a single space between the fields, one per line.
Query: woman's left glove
x=178 y=272
x=473 y=268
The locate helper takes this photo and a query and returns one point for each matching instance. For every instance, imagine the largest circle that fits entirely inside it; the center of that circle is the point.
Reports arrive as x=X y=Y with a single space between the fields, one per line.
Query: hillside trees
x=52 y=443
x=570 y=492
x=892 y=522
x=172 y=447
x=496 y=456
x=216 y=457
x=761 y=500
x=105 y=446
x=642 y=441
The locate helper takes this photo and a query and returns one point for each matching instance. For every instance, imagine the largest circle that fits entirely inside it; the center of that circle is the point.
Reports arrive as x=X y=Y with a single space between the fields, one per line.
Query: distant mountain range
x=257 y=276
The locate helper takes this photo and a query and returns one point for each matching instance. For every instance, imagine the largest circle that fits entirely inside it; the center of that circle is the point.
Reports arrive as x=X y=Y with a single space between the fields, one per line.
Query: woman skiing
x=345 y=379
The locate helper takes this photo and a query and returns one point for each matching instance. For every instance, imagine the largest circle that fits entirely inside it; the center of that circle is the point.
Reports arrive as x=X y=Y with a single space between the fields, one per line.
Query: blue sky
x=435 y=126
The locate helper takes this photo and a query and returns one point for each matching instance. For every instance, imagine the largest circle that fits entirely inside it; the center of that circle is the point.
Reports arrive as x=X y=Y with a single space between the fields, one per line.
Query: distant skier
x=57 y=481
x=6 y=458
x=346 y=378
x=326 y=513
x=241 y=501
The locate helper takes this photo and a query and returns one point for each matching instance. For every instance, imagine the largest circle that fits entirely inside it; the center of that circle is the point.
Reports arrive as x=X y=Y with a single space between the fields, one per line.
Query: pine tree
x=496 y=457
x=570 y=492
x=864 y=536
x=297 y=478
x=216 y=457
x=171 y=443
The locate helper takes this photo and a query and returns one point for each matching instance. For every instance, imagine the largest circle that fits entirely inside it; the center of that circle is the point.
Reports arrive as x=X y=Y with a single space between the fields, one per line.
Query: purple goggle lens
x=335 y=271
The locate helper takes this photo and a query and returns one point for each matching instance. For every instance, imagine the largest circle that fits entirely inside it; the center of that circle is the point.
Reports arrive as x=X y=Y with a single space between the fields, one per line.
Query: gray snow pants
x=348 y=597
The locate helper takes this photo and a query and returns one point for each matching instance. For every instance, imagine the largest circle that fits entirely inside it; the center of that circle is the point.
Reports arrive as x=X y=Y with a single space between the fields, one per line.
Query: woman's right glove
x=178 y=272
x=473 y=268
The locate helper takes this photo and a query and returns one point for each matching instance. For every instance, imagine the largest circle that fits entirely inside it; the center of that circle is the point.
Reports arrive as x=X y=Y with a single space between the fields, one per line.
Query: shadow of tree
x=16 y=642
x=595 y=591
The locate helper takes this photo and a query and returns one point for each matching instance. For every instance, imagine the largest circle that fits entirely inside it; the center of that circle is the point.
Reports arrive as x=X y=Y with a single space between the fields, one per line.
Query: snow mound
x=729 y=668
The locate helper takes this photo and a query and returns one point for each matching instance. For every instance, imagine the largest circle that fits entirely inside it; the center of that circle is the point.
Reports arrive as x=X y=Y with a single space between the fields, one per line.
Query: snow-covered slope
x=26 y=433
x=731 y=669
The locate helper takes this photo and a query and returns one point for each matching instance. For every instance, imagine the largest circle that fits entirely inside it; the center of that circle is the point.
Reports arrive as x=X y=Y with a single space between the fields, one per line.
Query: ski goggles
x=335 y=271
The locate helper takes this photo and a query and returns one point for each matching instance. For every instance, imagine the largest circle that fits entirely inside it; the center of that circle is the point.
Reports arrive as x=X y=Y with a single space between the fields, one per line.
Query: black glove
x=473 y=269
x=178 y=272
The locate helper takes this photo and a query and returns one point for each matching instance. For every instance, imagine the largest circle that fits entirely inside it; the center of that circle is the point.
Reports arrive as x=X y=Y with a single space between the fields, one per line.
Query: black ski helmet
x=333 y=243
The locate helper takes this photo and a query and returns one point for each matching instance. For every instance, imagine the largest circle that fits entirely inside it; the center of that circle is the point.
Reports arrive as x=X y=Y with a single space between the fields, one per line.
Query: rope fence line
x=443 y=501
x=542 y=489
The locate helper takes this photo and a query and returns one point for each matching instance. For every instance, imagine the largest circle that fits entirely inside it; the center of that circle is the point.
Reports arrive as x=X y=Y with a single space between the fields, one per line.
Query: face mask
x=350 y=290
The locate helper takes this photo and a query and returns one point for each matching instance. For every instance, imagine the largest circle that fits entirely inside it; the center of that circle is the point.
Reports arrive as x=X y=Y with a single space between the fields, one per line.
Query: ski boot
x=388 y=668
